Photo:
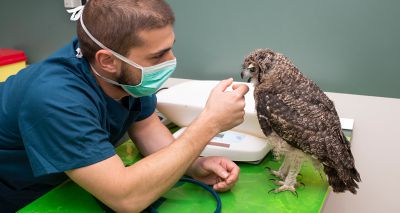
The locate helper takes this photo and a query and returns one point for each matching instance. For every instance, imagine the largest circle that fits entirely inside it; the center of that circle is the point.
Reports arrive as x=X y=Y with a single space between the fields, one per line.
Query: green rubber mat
x=251 y=193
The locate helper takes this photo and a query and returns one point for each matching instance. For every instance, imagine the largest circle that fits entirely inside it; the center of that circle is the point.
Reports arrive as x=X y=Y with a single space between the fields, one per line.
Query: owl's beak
x=246 y=72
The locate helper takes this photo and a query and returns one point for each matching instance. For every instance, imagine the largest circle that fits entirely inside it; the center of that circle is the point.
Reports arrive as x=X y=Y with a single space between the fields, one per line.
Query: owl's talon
x=300 y=184
x=279 y=183
x=295 y=193
x=285 y=188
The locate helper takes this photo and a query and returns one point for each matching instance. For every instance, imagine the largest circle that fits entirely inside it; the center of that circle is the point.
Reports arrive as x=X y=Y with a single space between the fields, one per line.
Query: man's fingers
x=240 y=89
x=222 y=85
x=217 y=169
x=223 y=186
x=234 y=175
x=235 y=86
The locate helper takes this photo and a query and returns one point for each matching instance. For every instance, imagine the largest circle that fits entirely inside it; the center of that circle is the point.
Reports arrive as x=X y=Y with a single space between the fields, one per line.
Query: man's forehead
x=156 y=39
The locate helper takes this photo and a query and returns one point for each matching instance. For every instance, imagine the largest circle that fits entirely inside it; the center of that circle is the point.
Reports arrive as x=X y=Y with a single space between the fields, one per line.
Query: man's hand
x=220 y=172
x=226 y=108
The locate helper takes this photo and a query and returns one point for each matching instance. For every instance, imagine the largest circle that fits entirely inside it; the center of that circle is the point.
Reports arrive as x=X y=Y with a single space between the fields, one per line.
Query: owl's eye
x=251 y=68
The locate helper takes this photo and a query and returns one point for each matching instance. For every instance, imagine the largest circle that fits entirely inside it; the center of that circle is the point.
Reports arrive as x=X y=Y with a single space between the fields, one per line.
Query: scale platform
x=235 y=146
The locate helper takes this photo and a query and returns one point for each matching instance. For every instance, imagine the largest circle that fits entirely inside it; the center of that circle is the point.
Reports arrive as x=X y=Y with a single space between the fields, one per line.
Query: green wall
x=37 y=27
x=348 y=46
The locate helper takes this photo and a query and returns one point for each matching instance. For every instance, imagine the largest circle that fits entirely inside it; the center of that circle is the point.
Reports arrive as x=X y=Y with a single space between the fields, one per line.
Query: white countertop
x=375 y=146
x=376 y=149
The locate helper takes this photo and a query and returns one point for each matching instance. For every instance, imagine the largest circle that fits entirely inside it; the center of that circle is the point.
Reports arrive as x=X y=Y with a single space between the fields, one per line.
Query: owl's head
x=257 y=64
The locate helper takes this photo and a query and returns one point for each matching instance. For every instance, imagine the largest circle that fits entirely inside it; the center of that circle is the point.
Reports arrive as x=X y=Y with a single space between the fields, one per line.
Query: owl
x=299 y=121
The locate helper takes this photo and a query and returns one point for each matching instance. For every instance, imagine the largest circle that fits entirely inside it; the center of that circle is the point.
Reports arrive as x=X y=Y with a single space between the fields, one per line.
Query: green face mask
x=153 y=77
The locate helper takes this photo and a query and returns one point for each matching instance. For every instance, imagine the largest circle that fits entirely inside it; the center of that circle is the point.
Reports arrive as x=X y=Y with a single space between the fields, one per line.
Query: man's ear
x=107 y=61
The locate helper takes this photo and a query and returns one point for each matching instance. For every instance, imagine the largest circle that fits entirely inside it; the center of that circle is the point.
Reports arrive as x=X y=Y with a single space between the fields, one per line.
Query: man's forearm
x=161 y=170
x=150 y=135
x=133 y=188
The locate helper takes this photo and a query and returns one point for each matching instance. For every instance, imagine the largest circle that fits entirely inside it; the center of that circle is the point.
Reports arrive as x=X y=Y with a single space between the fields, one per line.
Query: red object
x=10 y=56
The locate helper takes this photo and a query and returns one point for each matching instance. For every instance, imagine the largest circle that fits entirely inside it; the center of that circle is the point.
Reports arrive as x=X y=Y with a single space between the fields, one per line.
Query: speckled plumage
x=300 y=121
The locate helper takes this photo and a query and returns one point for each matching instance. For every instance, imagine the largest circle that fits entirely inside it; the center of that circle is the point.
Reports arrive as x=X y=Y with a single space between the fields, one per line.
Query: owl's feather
x=297 y=110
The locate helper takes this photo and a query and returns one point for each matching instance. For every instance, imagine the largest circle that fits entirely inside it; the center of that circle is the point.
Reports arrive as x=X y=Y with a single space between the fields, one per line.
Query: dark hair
x=116 y=23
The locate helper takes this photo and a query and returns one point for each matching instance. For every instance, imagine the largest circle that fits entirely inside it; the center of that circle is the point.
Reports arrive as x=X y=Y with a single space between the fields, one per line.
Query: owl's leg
x=283 y=170
x=291 y=178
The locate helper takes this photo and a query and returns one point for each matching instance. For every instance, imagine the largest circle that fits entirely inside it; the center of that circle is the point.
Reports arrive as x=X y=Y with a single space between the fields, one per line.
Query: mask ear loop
x=119 y=56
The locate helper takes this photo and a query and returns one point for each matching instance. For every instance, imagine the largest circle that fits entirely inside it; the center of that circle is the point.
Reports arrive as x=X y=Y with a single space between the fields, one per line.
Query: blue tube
x=155 y=205
x=208 y=188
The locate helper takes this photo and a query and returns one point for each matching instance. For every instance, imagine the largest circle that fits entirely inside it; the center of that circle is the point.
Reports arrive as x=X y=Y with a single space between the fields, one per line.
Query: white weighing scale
x=236 y=146
x=182 y=103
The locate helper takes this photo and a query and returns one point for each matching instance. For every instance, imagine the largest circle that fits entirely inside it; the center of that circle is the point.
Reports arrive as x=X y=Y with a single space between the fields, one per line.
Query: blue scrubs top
x=54 y=117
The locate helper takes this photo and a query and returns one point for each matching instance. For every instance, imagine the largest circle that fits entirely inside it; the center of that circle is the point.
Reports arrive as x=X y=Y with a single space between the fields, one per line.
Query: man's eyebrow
x=161 y=52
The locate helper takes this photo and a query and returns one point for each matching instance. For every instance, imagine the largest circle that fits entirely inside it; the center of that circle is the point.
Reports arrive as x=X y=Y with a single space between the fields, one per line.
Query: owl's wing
x=305 y=118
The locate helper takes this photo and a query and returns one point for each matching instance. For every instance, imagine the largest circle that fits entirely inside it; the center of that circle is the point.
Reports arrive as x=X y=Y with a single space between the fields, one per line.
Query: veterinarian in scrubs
x=62 y=117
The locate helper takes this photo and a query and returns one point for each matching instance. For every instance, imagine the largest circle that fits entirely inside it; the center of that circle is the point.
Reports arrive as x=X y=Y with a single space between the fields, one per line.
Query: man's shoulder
x=59 y=89
x=63 y=75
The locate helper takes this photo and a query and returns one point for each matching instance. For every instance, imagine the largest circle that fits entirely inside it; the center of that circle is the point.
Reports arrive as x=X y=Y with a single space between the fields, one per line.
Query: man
x=61 y=117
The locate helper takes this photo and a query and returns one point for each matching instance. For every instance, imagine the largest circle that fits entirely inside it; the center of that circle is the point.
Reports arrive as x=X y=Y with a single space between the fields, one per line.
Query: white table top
x=375 y=146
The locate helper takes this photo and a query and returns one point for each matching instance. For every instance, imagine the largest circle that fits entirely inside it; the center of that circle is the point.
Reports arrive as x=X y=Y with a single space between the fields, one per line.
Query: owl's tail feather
x=342 y=174
x=343 y=182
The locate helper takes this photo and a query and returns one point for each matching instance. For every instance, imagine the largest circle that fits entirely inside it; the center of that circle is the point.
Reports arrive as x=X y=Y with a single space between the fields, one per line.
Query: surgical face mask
x=153 y=77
